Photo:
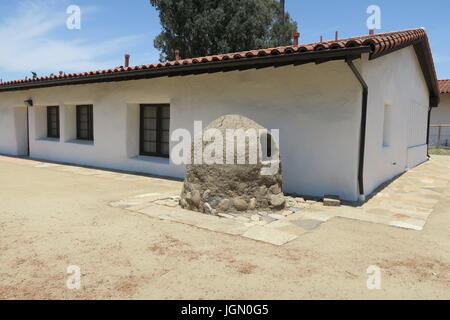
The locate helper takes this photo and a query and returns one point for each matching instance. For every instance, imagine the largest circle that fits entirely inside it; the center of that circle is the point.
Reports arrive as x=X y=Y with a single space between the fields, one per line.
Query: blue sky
x=34 y=35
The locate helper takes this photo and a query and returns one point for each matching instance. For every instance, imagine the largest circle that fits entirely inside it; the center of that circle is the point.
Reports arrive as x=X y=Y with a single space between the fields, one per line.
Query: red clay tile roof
x=444 y=86
x=379 y=44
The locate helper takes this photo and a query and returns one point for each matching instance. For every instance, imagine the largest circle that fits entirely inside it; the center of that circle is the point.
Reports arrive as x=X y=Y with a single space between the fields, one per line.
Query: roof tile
x=380 y=44
x=444 y=86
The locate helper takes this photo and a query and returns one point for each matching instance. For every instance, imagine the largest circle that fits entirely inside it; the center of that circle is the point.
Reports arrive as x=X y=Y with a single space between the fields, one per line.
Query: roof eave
x=423 y=52
x=199 y=68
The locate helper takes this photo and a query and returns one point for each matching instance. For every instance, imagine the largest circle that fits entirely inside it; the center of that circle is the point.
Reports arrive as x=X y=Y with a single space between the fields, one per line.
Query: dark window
x=269 y=145
x=53 y=122
x=85 y=122
x=154 y=131
x=269 y=148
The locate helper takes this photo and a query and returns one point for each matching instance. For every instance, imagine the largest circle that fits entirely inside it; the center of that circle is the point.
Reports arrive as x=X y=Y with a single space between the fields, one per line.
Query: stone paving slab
x=269 y=235
x=405 y=225
x=278 y=232
x=359 y=214
x=315 y=215
x=307 y=224
x=293 y=229
x=195 y=219
x=279 y=224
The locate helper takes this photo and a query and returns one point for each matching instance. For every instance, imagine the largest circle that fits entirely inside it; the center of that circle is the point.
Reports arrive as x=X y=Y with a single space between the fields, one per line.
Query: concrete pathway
x=408 y=200
x=405 y=202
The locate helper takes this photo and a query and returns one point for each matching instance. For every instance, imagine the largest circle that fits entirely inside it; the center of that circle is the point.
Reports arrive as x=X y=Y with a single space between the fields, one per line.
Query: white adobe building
x=440 y=117
x=352 y=113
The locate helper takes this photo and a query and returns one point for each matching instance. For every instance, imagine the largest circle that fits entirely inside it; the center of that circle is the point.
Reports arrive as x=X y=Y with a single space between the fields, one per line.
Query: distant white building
x=352 y=113
x=440 y=117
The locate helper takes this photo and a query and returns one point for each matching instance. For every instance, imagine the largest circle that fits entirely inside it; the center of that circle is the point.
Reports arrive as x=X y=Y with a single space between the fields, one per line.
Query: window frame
x=49 y=122
x=90 y=122
x=158 y=130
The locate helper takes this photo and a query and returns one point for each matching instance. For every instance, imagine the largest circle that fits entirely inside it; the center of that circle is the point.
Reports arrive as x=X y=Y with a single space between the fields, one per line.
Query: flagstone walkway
x=405 y=202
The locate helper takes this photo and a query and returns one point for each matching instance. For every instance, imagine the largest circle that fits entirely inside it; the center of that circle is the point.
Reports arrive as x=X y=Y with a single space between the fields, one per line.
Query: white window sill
x=46 y=139
x=151 y=159
x=81 y=142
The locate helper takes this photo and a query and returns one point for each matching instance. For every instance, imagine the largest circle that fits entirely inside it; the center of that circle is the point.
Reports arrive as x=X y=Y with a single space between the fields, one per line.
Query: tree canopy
x=207 y=27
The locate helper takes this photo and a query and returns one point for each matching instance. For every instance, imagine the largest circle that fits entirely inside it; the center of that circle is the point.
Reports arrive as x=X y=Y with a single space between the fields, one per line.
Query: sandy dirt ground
x=51 y=219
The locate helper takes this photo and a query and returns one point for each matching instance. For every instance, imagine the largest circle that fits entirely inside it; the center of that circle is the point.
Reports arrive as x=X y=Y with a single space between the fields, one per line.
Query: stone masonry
x=234 y=188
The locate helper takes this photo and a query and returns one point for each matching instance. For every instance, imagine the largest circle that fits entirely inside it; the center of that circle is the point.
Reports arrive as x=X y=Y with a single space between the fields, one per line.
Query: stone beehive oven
x=220 y=188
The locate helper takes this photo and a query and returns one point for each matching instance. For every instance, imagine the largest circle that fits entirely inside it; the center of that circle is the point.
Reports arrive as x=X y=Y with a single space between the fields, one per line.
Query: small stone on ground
x=331 y=201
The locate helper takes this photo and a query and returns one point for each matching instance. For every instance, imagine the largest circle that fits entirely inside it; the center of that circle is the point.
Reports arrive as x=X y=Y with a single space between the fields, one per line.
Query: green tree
x=207 y=27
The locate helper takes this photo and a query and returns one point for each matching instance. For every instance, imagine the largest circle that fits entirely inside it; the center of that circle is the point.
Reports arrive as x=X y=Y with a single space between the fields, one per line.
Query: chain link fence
x=440 y=136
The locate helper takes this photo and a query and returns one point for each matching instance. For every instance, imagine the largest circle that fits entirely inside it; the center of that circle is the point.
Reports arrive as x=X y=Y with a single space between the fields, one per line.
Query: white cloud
x=30 y=42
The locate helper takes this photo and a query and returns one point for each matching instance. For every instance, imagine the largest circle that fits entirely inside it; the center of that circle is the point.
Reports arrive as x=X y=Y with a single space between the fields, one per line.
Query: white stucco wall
x=13 y=133
x=397 y=87
x=316 y=107
x=441 y=115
